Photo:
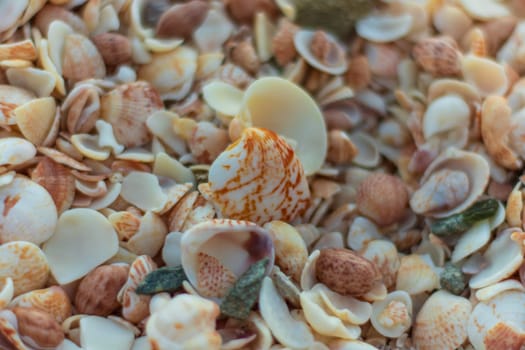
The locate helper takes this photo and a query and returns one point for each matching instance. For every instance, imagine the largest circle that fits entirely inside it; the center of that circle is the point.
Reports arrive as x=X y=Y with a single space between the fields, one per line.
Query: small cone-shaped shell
x=442 y=322
x=215 y=253
x=259 y=178
x=52 y=300
x=25 y=263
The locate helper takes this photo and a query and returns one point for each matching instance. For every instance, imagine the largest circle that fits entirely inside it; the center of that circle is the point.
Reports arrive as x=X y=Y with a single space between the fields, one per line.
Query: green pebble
x=165 y=279
x=452 y=279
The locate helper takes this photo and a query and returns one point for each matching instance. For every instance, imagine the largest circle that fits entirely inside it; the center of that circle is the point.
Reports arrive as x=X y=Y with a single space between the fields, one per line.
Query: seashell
x=445 y=114
x=442 y=322
x=451 y=183
x=52 y=300
x=392 y=316
x=383 y=27
x=511 y=52
x=149 y=237
x=341 y=149
x=171 y=249
x=290 y=107
x=289 y=331
x=38 y=81
x=115 y=49
x=485 y=9
x=81 y=59
x=9 y=331
x=88 y=146
x=10 y=98
x=181 y=211
x=207 y=142
x=191 y=316
x=321 y=50
x=488 y=76
x=171 y=73
x=417 y=274
x=367 y=150
x=25 y=264
x=497 y=323
x=487 y=293
x=443 y=87
x=97 y=332
x=29 y=213
x=127 y=108
x=81 y=108
x=49 y=66
x=50 y=13
x=330 y=240
x=15 y=12
x=277 y=180
x=34 y=129
x=385 y=257
x=15 y=151
x=20 y=50
x=209 y=264
x=503 y=258
x=84 y=228
x=362 y=231
x=222 y=97
x=213 y=31
x=169 y=167
x=451 y=20
x=290 y=249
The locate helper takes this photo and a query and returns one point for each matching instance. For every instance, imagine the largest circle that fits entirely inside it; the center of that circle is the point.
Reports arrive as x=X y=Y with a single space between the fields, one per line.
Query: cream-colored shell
x=487 y=76
x=446 y=113
x=442 y=322
x=98 y=332
x=223 y=98
x=215 y=253
x=485 y=9
x=260 y=168
x=7 y=290
x=184 y=322
x=503 y=257
x=489 y=292
x=28 y=212
x=382 y=27
x=384 y=255
x=392 y=316
x=52 y=300
x=283 y=107
x=303 y=40
x=15 y=150
x=442 y=192
x=362 y=231
x=417 y=274
x=498 y=323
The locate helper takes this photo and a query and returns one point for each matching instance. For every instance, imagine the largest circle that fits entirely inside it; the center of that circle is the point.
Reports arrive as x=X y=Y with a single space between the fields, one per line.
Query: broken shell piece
x=171 y=249
x=15 y=150
x=222 y=97
x=25 y=264
x=439 y=56
x=451 y=183
x=368 y=155
x=417 y=274
x=485 y=9
x=497 y=323
x=143 y=191
x=281 y=106
x=29 y=213
x=446 y=113
x=84 y=228
x=488 y=76
x=503 y=256
x=52 y=300
x=384 y=27
x=7 y=291
x=160 y=124
x=290 y=332
x=489 y=292
x=88 y=146
x=361 y=232
x=442 y=322
x=10 y=98
x=217 y=252
x=81 y=59
x=384 y=255
x=184 y=322
x=259 y=168
x=392 y=316
x=213 y=31
x=321 y=50
x=35 y=118
x=99 y=332
x=149 y=237
x=40 y=82
x=346 y=308
x=207 y=142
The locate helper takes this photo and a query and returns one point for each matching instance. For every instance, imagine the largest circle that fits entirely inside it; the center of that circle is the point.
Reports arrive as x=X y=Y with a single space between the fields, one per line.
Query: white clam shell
x=283 y=107
x=488 y=76
x=184 y=322
x=216 y=252
x=417 y=274
x=28 y=212
x=171 y=249
x=498 y=323
x=308 y=276
x=160 y=124
x=384 y=255
x=101 y=333
x=149 y=238
x=223 y=98
x=503 y=256
x=345 y=307
x=442 y=322
x=445 y=113
x=15 y=150
x=361 y=232
x=302 y=41
x=392 y=316
x=368 y=152
x=489 y=292
x=84 y=228
x=143 y=191
x=213 y=32
x=384 y=27
x=288 y=331
x=259 y=168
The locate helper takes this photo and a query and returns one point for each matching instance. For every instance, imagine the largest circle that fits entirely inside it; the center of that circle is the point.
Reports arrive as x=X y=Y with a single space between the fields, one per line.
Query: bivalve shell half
x=25 y=264
x=442 y=322
x=215 y=253
x=10 y=98
x=392 y=316
x=451 y=183
x=417 y=274
x=15 y=151
x=332 y=60
x=84 y=228
x=28 y=212
x=259 y=178
x=383 y=27
x=81 y=59
x=53 y=300
x=283 y=107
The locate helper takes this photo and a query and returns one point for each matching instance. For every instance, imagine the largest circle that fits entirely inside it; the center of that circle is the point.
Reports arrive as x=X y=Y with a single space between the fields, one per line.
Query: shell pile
x=216 y=174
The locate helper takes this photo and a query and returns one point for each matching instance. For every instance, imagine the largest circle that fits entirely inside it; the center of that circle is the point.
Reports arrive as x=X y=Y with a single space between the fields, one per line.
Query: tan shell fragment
x=10 y=98
x=81 y=59
x=25 y=264
x=127 y=108
x=384 y=255
x=417 y=274
x=442 y=322
x=392 y=316
x=439 y=56
x=488 y=76
x=35 y=119
x=149 y=237
x=184 y=322
x=52 y=300
x=21 y=50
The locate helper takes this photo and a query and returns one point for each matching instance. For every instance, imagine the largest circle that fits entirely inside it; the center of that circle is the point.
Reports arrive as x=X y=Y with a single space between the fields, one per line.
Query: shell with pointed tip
x=392 y=316
x=259 y=178
x=127 y=108
x=498 y=323
x=442 y=322
x=52 y=300
x=451 y=183
x=283 y=107
x=25 y=264
x=215 y=253
x=28 y=212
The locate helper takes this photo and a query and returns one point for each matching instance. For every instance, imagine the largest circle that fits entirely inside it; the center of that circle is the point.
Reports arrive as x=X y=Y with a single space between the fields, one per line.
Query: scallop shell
x=442 y=322
x=392 y=316
x=127 y=108
x=84 y=228
x=259 y=168
x=333 y=60
x=498 y=323
x=25 y=264
x=281 y=106
x=217 y=252
x=29 y=213
x=451 y=183
x=9 y=331
x=52 y=300
x=40 y=82
x=503 y=258
x=81 y=59
x=417 y=274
